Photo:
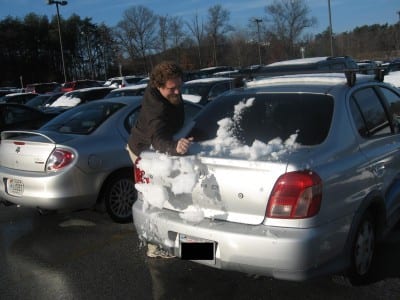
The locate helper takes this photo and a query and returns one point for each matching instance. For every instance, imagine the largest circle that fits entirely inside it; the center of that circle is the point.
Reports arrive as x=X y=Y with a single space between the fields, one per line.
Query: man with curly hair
x=161 y=116
x=162 y=113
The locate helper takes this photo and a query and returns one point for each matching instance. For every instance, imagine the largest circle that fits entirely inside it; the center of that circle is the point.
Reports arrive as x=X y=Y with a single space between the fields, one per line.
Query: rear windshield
x=268 y=117
x=83 y=119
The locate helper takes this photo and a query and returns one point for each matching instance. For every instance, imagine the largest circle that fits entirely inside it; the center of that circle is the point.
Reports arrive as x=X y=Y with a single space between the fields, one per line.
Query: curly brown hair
x=164 y=71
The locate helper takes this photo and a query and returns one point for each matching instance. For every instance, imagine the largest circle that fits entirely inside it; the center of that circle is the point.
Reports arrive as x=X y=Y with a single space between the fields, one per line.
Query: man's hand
x=183 y=145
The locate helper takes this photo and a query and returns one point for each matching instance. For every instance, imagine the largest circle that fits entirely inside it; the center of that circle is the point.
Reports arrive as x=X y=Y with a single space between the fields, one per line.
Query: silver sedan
x=75 y=161
x=292 y=177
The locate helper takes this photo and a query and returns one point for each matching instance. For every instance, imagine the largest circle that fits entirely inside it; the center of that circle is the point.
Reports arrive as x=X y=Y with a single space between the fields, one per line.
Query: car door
x=376 y=111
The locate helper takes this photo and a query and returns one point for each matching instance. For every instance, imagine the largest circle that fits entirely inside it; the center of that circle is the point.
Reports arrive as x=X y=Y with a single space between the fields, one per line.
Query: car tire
x=362 y=254
x=119 y=196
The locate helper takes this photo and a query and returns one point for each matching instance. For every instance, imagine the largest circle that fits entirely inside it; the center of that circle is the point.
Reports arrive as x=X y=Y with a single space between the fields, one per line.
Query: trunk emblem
x=18 y=150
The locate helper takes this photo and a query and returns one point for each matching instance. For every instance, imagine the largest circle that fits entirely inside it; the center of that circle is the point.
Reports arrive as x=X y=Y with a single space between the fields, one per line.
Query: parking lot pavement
x=84 y=255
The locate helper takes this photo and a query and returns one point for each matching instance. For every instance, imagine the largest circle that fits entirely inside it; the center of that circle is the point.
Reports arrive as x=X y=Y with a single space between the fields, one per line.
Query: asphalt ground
x=84 y=255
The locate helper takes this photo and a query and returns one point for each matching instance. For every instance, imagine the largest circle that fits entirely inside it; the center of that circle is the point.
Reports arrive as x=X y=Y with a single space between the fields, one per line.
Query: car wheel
x=362 y=253
x=120 y=194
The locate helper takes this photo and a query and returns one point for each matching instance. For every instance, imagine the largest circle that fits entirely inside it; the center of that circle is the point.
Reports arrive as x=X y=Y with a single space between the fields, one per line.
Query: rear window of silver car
x=271 y=116
x=83 y=119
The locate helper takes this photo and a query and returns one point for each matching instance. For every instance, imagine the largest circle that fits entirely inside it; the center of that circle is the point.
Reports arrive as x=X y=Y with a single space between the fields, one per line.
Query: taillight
x=295 y=195
x=139 y=174
x=59 y=158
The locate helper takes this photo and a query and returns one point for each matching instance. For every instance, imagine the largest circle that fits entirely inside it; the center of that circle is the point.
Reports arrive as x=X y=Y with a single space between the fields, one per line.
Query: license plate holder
x=15 y=187
x=193 y=248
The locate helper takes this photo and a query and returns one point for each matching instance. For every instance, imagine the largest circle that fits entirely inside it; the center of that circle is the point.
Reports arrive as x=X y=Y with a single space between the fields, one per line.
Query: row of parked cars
x=292 y=176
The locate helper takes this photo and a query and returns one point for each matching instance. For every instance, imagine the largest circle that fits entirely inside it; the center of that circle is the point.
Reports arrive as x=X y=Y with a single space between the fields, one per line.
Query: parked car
x=42 y=88
x=291 y=177
x=393 y=78
x=207 y=88
x=367 y=66
x=132 y=90
x=19 y=98
x=44 y=100
x=77 y=160
x=123 y=81
x=79 y=84
x=322 y=64
x=19 y=116
x=78 y=97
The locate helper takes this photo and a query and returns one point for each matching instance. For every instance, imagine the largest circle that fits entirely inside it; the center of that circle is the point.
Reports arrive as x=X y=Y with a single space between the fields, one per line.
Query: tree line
x=30 y=46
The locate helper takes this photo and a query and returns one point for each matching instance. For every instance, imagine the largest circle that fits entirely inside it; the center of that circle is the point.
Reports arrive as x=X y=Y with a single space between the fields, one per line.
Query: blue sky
x=346 y=14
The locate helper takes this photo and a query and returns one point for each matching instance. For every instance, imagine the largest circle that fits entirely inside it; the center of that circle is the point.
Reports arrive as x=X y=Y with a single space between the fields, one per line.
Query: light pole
x=62 y=3
x=330 y=26
x=258 y=21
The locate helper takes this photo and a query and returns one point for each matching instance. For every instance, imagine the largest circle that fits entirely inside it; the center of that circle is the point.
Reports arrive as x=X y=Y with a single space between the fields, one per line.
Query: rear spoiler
x=12 y=133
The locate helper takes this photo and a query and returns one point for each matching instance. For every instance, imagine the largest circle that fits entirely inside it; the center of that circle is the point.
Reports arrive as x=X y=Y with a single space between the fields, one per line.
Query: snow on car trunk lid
x=198 y=187
x=25 y=151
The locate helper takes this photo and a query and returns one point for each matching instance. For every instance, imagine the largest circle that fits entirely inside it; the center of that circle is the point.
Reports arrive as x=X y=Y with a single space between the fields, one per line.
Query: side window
x=337 y=67
x=369 y=114
x=218 y=89
x=131 y=119
x=393 y=101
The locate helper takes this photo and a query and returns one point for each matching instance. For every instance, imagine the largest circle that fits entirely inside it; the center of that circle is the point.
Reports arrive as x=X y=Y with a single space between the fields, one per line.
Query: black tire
x=119 y=196
x=362 y=252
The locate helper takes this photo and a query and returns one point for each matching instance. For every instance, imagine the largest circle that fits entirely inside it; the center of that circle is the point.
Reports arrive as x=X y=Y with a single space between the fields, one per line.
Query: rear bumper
x=69 y=190
x=283 y=253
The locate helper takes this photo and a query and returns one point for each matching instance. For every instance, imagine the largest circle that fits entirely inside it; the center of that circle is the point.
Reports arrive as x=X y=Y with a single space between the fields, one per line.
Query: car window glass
x=83 y=120
x=194 y=89
x=131 y=119
x=219 y=89
x=367 y=104
x=393 y=100
x=18 y=114
x=337 y=67
x=271 y=116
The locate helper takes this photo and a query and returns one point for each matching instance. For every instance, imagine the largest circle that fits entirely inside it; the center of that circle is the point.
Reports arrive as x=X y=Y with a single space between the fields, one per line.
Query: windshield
x=195 y=89
x=269 y=116
x=83 y=119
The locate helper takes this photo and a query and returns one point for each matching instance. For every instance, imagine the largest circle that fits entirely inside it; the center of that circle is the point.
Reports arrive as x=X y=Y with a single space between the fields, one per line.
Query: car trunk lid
x=235 y=190
x=25 y=150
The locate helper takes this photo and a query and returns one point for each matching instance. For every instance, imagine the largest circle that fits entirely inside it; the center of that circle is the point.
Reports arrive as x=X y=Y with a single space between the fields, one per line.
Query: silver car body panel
x=354 y=172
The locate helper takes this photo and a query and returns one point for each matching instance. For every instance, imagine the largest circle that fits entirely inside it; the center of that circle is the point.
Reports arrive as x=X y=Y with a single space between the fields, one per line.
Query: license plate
x=192 y=248
x=15 y=187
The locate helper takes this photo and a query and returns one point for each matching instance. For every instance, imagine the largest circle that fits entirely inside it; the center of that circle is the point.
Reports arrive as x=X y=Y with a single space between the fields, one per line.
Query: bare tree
x=197 y=29
x=137 y=32
x=217 y=26
x=289 y=19
x=177 y=34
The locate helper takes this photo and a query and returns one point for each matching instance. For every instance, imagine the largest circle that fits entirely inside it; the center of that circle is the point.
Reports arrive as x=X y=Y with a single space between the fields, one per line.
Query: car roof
x=84 y=90
x=209 y=80
x=131 y=87
x=314 y=78
x=123 y=99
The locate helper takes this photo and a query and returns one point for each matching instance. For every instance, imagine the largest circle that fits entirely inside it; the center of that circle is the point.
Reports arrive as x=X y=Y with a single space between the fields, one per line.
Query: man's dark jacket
x=156 y=124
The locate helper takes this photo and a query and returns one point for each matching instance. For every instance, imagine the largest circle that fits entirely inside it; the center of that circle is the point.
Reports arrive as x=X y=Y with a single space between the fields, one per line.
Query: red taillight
x=295 y=195
x=139 y=174
x=59 y=159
